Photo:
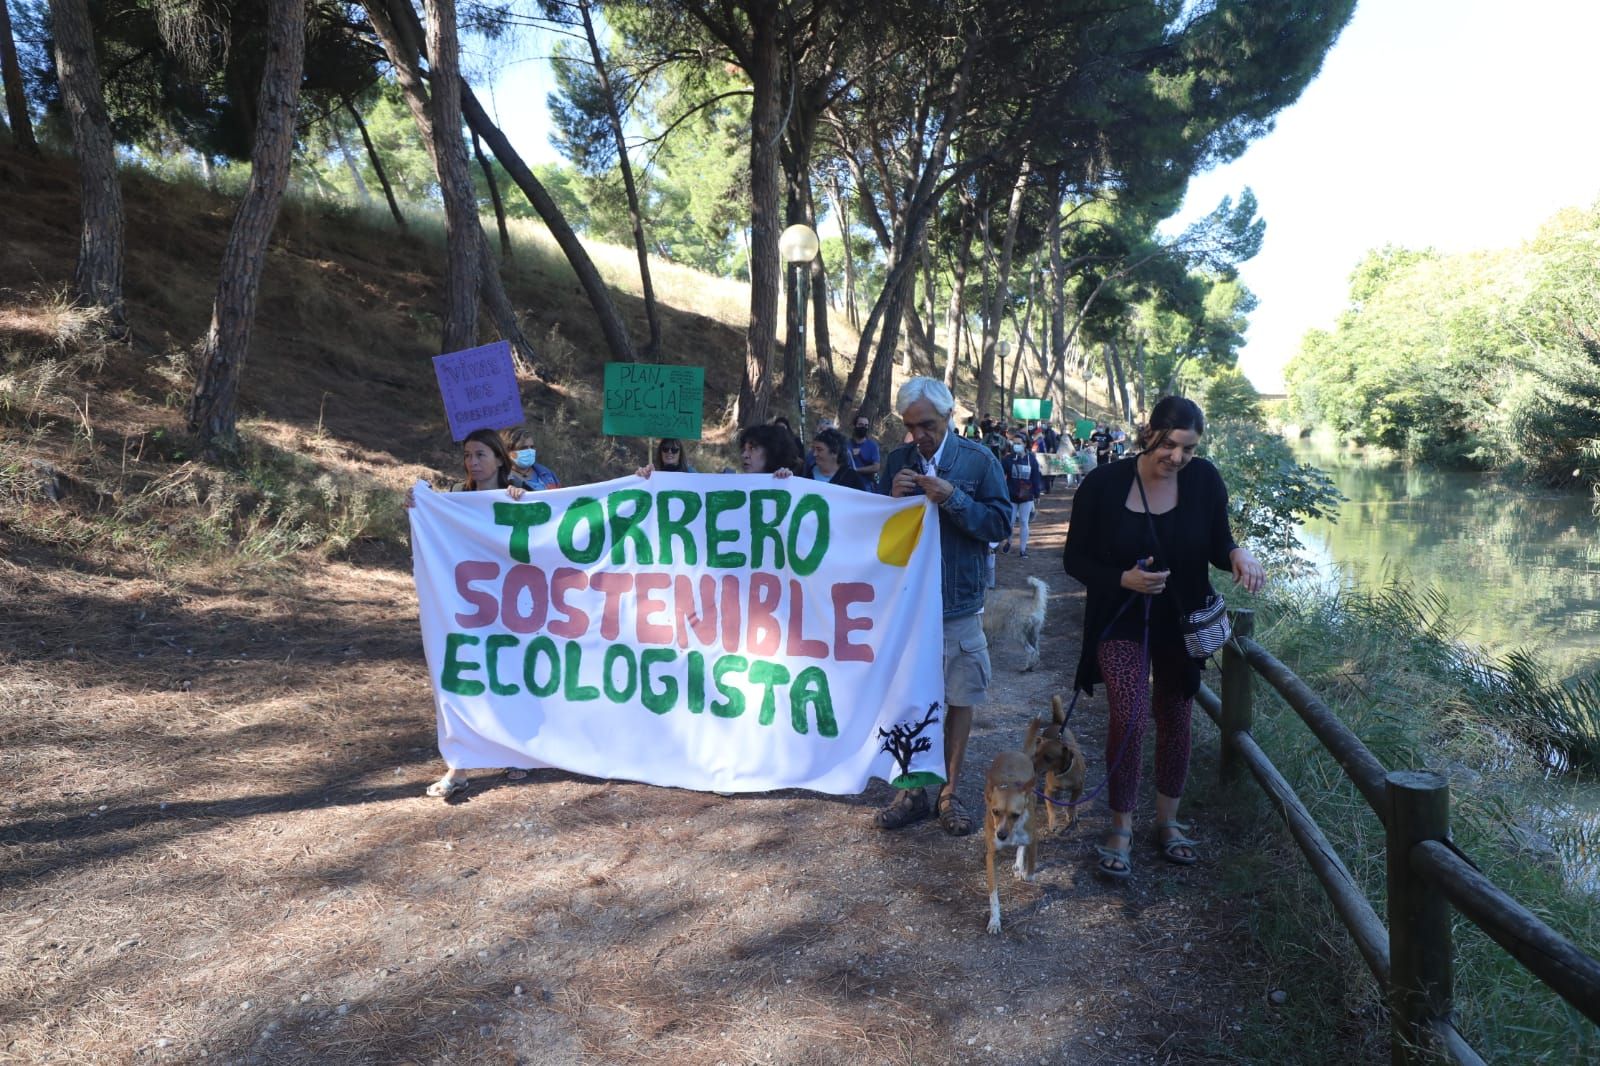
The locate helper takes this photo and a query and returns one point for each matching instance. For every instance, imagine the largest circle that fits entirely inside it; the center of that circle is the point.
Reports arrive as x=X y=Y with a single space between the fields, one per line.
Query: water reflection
x=1521 y=569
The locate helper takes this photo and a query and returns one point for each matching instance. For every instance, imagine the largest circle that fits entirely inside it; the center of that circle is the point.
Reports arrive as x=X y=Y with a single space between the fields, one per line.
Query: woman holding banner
x=769 y=449
x=488 y=466
x=671 y=457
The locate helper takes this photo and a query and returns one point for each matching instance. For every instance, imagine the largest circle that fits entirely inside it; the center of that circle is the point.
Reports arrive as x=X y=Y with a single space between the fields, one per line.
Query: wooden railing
x=1413 y=957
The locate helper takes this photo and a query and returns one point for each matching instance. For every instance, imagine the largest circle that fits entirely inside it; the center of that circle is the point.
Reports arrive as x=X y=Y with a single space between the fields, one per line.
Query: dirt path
x=216 y=846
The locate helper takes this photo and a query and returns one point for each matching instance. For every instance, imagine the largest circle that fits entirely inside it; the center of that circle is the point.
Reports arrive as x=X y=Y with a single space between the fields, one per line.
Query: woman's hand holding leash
x=1246 y=571
x=1145 y=582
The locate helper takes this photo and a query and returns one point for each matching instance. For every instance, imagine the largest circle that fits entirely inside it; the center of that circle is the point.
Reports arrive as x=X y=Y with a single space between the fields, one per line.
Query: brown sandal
x=953 y=816
x=908 y=808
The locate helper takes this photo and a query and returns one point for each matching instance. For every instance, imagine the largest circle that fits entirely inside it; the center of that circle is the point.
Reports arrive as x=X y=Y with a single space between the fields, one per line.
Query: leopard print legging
x=1127 y=694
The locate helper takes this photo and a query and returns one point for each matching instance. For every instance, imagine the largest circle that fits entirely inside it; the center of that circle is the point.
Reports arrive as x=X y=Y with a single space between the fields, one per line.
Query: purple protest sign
x=479 y=386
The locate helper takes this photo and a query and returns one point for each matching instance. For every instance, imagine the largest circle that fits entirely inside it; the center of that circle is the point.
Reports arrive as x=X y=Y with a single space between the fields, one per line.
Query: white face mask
x=1017 y=448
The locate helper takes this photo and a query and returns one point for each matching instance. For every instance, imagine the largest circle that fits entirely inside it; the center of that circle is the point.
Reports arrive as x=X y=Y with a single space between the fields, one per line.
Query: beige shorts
x=966 y=661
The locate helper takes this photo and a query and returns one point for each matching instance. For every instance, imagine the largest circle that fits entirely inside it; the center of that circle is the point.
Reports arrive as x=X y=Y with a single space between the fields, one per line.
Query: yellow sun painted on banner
x=899 y=536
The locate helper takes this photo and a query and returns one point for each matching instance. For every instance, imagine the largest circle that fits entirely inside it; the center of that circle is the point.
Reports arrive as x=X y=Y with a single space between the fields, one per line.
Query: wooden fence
x=1413 y=957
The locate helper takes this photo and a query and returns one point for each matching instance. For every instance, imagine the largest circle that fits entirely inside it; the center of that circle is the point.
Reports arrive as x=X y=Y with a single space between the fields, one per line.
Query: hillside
x=339 y=373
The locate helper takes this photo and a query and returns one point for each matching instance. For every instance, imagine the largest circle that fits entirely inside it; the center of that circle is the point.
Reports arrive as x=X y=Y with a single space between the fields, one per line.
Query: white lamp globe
x=798 y=244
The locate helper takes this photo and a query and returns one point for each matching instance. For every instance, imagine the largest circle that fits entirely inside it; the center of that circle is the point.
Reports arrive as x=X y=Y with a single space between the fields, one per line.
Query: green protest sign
x=1082 y=428
x=653 y=400
x=1022 y=407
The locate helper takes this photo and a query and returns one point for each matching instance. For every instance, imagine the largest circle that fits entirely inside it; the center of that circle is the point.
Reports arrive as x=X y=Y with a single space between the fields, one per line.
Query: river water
x=1520 y=568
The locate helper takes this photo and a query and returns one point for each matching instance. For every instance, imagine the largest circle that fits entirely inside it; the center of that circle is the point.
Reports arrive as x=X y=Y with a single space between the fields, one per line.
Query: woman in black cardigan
x=1143 y=532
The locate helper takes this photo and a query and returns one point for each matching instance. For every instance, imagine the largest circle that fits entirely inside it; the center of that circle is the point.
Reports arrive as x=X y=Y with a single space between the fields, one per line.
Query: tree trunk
x=852 y=312
x=213 y=409
x=462 y=231
x=958 y=293
x=1122 y=385
x=402 y=43
x=377 y=166
x=363 y=193
x=494 y=196
x=1138 y=381
x=988 y=331
x=766 y=129
x=820 y=336
x=1107 y=354
x=594 y=287
x=876 y=401
x=16 y=99
x=1058 y=290
x=865 y=359
x=998 y=295
x=917 y=339
x=930 y=295
x=97 y=278
x=1022 y=343
x=919 y=206
x=635 y=215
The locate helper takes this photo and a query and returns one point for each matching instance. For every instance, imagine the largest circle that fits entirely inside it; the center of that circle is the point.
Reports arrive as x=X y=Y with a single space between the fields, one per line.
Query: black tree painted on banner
x=905 y=741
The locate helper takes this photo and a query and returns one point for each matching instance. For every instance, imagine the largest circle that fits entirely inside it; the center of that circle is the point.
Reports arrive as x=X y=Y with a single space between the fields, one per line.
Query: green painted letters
x=733 y=706
x=587 y=510
x=521 y=517
x=717 y=504
x=811 y=690
x=625 y=527
x=663 y=701
x=451 y=680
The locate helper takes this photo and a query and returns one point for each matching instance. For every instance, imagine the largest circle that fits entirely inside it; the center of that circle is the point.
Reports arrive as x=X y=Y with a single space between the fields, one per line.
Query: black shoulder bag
x=1206 y=630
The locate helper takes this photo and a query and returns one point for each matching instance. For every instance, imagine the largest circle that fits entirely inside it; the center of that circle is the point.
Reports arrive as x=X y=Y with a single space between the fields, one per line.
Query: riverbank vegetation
x=1390 y=664
x=1518 y=743
x=1488 y=359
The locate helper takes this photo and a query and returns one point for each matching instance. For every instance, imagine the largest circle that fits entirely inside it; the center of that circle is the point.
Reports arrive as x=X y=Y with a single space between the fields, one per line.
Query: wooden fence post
x=1238 y=712
x=1420 y=951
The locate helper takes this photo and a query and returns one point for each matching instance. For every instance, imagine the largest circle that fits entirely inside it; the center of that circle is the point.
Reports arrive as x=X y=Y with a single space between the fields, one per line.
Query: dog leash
x=1133 y=727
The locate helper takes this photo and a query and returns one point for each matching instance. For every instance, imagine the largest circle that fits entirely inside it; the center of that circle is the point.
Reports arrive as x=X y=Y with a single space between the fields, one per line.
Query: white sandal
x=447 y=786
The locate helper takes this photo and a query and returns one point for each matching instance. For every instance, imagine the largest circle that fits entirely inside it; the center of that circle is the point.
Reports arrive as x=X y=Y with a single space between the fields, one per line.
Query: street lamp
x=798 y=244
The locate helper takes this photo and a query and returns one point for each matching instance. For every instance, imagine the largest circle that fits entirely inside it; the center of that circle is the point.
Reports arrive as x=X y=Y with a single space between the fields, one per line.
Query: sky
x=1455 y=124
x=1452 y=124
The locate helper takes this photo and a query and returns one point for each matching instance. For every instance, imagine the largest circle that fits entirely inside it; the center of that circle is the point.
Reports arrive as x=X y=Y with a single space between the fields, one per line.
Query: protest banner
x=1082 y=428
x=653 y=400
x=1056 y=465
x=736 y=632
x=479 y=387
x=1026 y=408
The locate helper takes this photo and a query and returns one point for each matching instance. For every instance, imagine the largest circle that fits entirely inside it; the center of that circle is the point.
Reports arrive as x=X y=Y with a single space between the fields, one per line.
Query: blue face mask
x=524 y=457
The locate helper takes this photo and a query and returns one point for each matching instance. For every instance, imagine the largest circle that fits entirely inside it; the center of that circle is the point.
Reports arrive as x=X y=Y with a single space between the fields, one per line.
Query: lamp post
x=799 y=245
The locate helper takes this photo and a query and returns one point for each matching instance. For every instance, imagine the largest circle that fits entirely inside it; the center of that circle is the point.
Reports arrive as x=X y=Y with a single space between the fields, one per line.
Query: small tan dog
x=1058 y=757
x=1008 y=814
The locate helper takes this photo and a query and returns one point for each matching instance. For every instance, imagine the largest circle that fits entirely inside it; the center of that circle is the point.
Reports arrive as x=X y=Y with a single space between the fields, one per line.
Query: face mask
x=524 y=457
x=1017 y=448
x=861 y=431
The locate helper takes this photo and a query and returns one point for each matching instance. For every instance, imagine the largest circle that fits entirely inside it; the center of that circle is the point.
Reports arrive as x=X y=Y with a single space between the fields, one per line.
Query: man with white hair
x=964 y=479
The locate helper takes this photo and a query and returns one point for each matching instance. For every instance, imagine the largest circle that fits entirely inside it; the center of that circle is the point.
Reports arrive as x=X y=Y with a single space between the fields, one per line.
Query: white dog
x=1017 y=616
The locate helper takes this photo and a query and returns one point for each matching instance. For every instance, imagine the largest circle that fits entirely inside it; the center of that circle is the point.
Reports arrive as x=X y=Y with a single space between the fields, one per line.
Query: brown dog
x=1008 y=814
x=1058 y=757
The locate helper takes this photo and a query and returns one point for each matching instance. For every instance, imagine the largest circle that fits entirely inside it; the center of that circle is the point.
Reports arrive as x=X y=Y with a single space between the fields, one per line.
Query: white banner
x=712 y=631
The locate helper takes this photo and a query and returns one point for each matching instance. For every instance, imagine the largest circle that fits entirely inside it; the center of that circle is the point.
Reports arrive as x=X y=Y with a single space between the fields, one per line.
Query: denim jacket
x=977 y=512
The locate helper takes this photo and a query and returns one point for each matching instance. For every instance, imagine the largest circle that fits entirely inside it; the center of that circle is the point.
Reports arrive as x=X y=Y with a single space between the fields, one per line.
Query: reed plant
x=1390 y=664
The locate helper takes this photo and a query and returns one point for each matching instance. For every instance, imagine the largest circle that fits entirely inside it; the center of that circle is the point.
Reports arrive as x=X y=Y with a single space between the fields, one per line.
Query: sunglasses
x=670 y=449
